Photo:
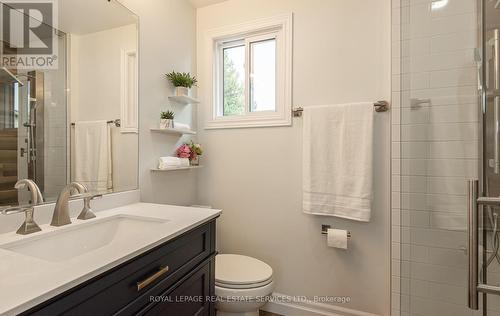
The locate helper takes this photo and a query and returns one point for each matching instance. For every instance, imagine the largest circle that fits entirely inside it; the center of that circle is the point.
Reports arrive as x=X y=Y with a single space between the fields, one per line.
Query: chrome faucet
x=29 y=226
x=61 y=210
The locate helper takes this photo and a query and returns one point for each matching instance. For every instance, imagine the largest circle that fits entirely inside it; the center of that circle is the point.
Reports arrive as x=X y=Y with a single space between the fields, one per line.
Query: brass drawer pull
x=151 y=279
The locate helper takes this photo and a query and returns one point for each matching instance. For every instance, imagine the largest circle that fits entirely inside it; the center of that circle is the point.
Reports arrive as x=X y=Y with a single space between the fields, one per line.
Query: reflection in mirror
x=77 y=121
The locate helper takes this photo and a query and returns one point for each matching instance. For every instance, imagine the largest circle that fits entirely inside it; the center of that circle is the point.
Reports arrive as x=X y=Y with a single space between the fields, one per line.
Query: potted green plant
x=167 y=119
x=182 y=81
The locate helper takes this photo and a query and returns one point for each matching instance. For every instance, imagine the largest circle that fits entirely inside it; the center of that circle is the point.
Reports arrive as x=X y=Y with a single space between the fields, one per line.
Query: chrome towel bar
x=380 y=106
x=116 y=122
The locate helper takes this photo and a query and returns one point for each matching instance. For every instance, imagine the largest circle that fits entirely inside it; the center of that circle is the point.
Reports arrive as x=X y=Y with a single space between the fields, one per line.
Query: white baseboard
x=279 y=305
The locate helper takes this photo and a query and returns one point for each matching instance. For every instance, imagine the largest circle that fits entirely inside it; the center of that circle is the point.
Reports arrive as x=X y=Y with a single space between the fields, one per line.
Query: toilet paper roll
x=337 y=238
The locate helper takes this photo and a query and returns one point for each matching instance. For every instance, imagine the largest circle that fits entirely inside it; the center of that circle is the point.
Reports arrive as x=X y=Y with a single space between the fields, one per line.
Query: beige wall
x=341 y=54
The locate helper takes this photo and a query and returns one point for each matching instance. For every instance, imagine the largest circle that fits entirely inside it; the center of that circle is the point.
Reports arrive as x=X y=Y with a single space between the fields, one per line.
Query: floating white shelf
x=183 y=99
x=176 y=131
x=176 y=169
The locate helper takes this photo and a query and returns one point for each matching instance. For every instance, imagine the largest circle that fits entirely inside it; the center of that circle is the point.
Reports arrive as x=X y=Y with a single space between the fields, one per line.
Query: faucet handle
x=29 y=226
x=95 y=196
x=84 y=196
x=9 y=209
x=87 y=212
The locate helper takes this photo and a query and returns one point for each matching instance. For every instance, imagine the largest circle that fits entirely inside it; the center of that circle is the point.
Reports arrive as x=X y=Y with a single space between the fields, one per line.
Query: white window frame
x=129 y=103
x=278 y=27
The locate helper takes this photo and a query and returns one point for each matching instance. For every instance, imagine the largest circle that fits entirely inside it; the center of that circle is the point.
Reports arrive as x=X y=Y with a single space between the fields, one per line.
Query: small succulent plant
x=167 y=115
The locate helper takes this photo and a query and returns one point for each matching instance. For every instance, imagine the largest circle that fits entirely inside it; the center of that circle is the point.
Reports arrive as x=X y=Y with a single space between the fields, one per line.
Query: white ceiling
x=204 y=3
x=89 y=16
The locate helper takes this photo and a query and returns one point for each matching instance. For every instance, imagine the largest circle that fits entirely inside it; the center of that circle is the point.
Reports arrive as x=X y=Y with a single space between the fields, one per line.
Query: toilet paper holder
x=325 y=228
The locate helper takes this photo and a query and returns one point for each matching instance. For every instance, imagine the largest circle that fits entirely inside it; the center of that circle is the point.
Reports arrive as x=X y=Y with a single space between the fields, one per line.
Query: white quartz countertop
x=26 y=281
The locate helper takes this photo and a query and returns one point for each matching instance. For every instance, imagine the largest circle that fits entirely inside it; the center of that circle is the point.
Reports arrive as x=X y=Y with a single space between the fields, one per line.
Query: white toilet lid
x=241 y=270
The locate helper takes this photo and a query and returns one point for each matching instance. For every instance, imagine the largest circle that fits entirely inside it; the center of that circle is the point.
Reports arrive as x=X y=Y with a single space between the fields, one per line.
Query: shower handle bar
x=496 y=149
x=496 y=100
x=473 y=238
x=475 y=205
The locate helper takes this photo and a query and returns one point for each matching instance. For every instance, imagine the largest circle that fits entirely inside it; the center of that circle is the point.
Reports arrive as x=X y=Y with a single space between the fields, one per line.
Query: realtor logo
x=29 y=39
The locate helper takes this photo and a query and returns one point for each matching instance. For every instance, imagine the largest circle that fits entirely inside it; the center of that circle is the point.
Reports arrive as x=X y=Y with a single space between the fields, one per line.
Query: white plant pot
x=181 y=91
x=166 y=123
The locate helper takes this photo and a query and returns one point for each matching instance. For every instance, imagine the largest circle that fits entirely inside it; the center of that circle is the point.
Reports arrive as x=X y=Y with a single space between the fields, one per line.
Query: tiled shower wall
x=56 y=127
x=434 y=152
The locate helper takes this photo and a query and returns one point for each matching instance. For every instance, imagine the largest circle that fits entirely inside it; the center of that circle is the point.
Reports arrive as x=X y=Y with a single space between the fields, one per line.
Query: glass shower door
x=439 y=137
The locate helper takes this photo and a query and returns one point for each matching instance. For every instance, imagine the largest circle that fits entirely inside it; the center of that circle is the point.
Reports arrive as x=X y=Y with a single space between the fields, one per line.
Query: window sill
x=231 y=124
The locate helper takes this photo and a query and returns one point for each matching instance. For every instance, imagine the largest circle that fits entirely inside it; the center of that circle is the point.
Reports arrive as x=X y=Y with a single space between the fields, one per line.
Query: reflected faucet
x=36 y=195
x=61 y=211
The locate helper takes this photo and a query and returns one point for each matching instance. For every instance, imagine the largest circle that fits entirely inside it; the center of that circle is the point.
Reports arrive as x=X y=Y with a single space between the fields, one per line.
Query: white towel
x=169 y=162
x=182 y=126
x=93 y=161
x=184 y=162
x=338 y=160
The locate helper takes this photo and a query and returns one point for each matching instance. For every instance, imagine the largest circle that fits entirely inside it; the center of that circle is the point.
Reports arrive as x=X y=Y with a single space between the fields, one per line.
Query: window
x=251 y=82
x=129 y=93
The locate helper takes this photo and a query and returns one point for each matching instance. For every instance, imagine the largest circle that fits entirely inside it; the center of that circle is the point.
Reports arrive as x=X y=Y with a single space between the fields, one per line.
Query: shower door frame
x=478 y=195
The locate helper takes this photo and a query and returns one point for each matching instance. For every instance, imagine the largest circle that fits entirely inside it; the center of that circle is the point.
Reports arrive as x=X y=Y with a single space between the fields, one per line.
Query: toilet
x=242 y=285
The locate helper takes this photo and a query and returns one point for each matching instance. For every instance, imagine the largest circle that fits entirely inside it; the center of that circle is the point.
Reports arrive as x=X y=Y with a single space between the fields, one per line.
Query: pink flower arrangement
x=184 y=151
x=191 y=151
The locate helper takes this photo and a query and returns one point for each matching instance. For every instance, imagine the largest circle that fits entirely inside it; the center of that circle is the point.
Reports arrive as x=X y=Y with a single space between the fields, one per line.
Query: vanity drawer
x=161 y=300
x=191 y=296
x=111 y=291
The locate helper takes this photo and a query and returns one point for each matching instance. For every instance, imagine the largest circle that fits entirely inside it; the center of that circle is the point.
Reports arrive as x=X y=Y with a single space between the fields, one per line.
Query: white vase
x=181 y=91
x=166 y=123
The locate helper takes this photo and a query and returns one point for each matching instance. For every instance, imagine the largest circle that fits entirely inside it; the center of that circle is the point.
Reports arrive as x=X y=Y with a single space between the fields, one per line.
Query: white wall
x=167 y=42
x=96 y=93
x=341 y=54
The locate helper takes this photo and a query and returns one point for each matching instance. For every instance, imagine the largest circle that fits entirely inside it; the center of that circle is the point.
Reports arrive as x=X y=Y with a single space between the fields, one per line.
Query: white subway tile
x=453 y=77
x=454 y=113
x=414 y=184
x=454 y=149
x=453 y=42
x=428 y=307
x=448 y=257
x=454 y=7
x=396 y=268
x=440 y=132
x=441 y=274
x=457 y=186
x=437 y=238
x=454 y=24
x=415 y=150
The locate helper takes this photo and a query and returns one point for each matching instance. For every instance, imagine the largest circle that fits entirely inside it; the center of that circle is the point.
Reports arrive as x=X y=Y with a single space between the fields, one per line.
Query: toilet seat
x=243 y=286
x=241 y=272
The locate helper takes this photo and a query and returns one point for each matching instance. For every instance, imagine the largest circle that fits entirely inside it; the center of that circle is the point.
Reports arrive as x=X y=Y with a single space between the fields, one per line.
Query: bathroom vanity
x=140 y=259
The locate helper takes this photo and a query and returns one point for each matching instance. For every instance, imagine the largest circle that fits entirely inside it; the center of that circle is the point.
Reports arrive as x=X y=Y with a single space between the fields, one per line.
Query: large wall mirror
x=77 y=121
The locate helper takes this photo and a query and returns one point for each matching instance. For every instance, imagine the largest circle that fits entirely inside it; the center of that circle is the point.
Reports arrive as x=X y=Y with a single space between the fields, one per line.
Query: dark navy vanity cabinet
x=175 y=278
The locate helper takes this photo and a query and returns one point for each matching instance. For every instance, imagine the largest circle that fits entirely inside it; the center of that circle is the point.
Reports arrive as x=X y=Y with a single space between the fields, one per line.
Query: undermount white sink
x=76 y=240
